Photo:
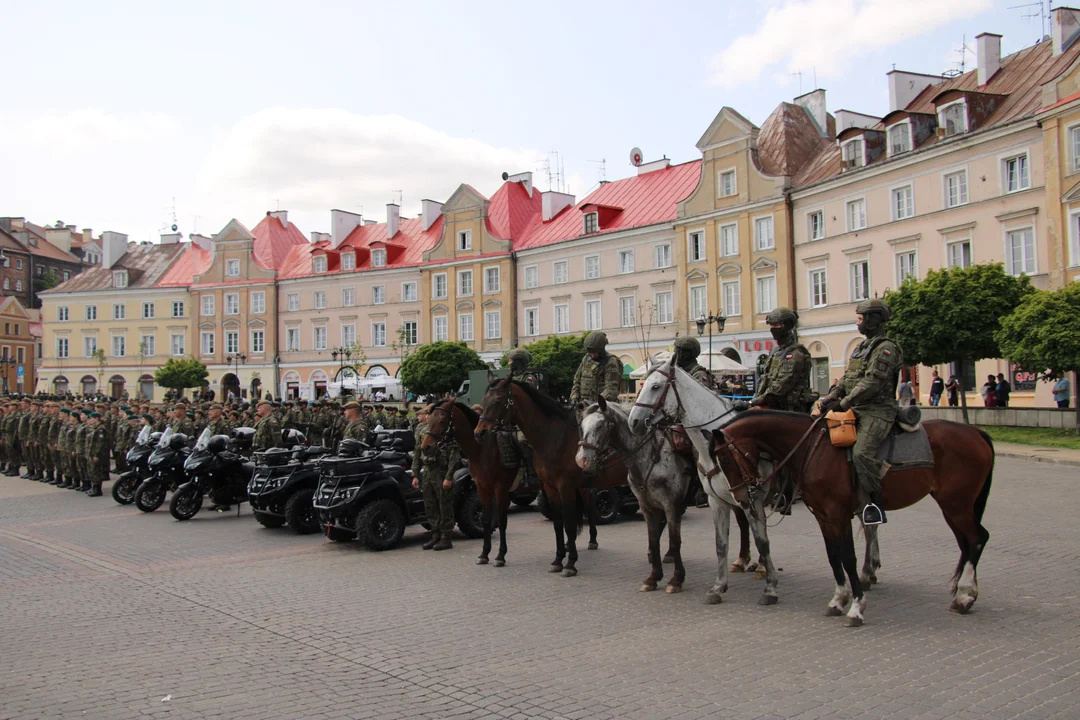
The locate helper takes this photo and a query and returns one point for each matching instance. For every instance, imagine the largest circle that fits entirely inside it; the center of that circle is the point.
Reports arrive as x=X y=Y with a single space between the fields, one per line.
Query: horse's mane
x=548 y=404
x=778 y=414
x=469 y=413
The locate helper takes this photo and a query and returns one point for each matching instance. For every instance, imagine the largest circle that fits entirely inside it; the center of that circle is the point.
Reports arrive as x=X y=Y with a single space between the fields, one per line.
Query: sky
x=129 y=116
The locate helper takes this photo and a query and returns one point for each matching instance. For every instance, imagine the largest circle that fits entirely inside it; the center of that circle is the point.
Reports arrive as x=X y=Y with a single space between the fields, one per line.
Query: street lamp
x=235 y=361
x=703 y=322
x=8 y=363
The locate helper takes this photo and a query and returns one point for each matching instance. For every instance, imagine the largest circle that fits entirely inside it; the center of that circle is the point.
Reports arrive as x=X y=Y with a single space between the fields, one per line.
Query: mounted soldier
x=520 y=360
x=687 y=350
x=598 y=375
x=785 y=382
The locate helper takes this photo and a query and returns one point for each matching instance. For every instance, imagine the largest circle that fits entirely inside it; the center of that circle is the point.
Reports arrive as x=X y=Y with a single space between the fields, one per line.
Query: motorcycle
x=123 y=490
x=166 y=465
x=283 y=486
x=216 y=470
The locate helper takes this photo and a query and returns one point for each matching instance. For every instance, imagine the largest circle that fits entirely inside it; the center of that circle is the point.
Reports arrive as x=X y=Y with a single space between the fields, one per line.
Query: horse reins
x=742 y=459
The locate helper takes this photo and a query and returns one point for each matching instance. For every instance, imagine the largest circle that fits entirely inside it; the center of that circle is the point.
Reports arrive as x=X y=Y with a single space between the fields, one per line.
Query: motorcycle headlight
x=349 y=494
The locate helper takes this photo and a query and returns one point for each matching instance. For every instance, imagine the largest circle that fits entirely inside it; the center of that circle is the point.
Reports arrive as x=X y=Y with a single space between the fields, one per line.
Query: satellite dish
x=635 y=157
x=174 y=228
x=506 y=176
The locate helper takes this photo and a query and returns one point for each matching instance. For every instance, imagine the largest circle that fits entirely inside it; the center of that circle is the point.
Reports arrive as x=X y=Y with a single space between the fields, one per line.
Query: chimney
x=988 y=54
x=282 y=215
x=113 y=247
x=906 y=86
x=649 y=167
x=430 y=211
x=371 y=222
x=1065 y=25
x=552 y=203
x=849 y=118
x=201 y=240
x=814 y=104
x=87 y=235
x=342 y=223
x=393 y=219
x=60 y=237
x=317 y=237
x=170 y=238
x=525 y=178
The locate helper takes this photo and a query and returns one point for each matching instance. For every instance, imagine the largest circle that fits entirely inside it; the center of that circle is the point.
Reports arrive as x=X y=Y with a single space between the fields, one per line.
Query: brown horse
x=552 y=431
x=959 y=482
x=451 y=421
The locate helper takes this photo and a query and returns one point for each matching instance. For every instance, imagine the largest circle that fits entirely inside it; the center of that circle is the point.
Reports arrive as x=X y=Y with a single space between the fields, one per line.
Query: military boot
x=443 y=544
x=83 y=486
x=65 y=483
x=431 y=543
x=94 y=491
x=874 y=512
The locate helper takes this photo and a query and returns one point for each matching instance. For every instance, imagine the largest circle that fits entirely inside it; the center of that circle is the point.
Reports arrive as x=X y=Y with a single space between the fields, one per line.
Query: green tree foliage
x=560 y=356
x=439 y=368
x=180 y=374
x=951 y=315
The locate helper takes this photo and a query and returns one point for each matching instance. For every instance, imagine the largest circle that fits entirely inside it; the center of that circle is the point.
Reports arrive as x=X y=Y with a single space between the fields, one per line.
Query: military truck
x=473 y=389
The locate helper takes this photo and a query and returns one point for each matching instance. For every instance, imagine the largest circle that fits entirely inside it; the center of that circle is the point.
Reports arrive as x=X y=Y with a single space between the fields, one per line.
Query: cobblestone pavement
x=104 y=611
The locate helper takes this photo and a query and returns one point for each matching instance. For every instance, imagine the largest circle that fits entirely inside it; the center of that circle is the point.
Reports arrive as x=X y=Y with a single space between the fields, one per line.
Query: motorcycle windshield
x=204 y=440
x=144 y=436
x=165 y=438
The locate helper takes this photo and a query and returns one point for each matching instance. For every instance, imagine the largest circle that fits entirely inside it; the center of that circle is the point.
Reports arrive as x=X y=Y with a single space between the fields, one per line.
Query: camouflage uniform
x=335 y=429
x=62 y=451
x=316 y=425
x=687 y=350
x=785 y=382
x=357 y=430
x=56 y=472
x=30 y=425
x=596 y=378
x=267 y=434
x=221 y=427
x=184 y=426
x=438 y=500
x=97 y=451
x=81 y=468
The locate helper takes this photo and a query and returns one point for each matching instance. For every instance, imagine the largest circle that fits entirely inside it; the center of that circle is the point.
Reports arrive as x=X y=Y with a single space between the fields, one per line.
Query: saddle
x=906 y=449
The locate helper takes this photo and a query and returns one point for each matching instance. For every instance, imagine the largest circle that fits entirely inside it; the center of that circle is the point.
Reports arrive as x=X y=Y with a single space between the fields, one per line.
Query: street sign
x=21 y=374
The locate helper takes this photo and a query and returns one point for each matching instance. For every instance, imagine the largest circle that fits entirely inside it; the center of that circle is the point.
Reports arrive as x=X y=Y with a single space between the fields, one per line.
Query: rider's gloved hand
x=827 y=404
x=740 y=406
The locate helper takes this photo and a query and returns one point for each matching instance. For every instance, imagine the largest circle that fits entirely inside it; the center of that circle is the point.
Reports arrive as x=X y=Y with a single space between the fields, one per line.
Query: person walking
x=1004 y=389
x=953 y=389
x=1062 y=392
x=989 y=392
x=905 y=393
x=937 y=388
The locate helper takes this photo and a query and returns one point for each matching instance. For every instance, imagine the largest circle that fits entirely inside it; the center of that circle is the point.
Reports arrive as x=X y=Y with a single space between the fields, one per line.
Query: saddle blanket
x=906 y=450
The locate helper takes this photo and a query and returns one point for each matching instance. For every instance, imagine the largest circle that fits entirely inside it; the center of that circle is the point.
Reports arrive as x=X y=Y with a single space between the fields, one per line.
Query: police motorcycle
x=283 y=486
x=215 y=468
x=166 y=467
x=123 y=490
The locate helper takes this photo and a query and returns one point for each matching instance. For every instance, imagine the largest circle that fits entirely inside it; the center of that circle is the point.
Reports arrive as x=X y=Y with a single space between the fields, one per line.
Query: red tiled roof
x=274 y=241
x=193 y=261
x=645 y=199
x=511 y=210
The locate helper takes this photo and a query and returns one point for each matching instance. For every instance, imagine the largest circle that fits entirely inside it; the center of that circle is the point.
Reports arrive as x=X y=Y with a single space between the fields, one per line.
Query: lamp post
x=8 y=363
x=233 y=362
x=343 y=357
x=702 y=322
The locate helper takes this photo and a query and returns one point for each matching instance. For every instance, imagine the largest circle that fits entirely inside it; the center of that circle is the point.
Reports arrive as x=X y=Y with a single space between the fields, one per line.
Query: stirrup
x=877 y=519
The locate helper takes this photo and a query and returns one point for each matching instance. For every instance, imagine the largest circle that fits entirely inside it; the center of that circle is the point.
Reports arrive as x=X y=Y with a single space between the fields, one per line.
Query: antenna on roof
x=555 y=170
x=601 y=168
x=799 y=73
x=963 y=50
x=171 y=213
x=1042 y=14
x=400 y=199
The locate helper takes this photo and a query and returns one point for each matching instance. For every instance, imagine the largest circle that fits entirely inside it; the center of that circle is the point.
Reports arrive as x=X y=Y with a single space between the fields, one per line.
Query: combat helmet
x=596 y=342
x=787 y=319
x=687 y=348
x=875 y=312
x=519 y=359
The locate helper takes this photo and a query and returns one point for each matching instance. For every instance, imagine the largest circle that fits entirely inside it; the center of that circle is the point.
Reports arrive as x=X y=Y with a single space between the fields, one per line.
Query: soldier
x=62 y=449
x=436 y=471
x=56 y=423
x=20 y=429
x=199 y=421
x=28 y=436
x=267 y=429
x=216 y=423
x=303 y=417
x=180 y=423
x=598 y=375
x=81 y=471
x=520 y=360
x=356 y=428
x=869 y=388
x=97 y=452
x=785 y=382
x=335 y=427
x=687 y=350
x=316 y=423
x=121 y=433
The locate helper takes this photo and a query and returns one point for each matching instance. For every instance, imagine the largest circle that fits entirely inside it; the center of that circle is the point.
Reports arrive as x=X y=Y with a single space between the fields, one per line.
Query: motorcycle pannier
x=841 y=428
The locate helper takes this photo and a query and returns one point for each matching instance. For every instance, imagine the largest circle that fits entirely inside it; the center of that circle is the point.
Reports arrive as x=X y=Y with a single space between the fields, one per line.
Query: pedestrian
x=1004 y=389
x=989 y=392
x=937 y=387
x=905 y=393
x=1061 y=392
x=953 y=389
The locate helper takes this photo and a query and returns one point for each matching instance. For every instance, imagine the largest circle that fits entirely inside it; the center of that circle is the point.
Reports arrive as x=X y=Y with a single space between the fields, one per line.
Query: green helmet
x=519 y=359
x=875 y=313
x=783 y=316
x=688 y=348
x=596 y=342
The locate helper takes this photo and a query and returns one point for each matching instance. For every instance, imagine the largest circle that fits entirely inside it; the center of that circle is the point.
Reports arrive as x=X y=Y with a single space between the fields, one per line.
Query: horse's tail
x=968 y=553
x=984 y=493
x=579 y=512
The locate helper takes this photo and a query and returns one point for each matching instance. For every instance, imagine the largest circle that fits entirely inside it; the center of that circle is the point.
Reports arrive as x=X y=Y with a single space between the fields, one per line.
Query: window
x=816 y=221
x=62 y=314
x=695 y=246
x=590 y=223
x=62 y=348
x=258 y=341
x=40 y=270
x=348 y=297
x=378 y=295
x=378 y=334
x=119 y=311
x=626 y=261
x=176 y=343
x=178 y=308
x=232 y=342
x=17 y=326
x=562 y=318
x=903 y=203
x=19 y=266
x=208 y=305
x=147 y=345
x=959 y=254
x=907 y=266
x=207 y=343
x=232 y=303
x=67 y=275
x=1074 y=145
x=818 y=288
x=1020 y=248
x=491 y=280
x=438 y=286
x=118 y=345
x=293 y=302
x=320 y=299
x=18 y=286
x=726 y=184
x=856 y=215
x=232 y=268
x=1016 y=174
x=318 y=263
x=440 y=329
x=89 y=346
x=119 y=278
x=148 y=310
x=410 y=332
x=627 y=312
x=593 y=320
x=763 y=233
x=492 y=325
x=378 y=258
x=91 y=312
x=953 y=118
x=729 y=240
x=464 y=283
x=852 y=153
x=956 y=192
x=257 y=301
x=560 y=272
x=731 y=293
x=899 y=138
x=532 y=321
x=348 y=261
x=532 y=277
x=662 y=256
x=319 y=336
x=592 y=267
x=348 y=335
x=664 y=308
x=464 y=240
x=20 y=353
x=860 y=281
x=39 y=349
x=698 y=302
x=408 y=292
x=465 y=328
x=766 y=294
x=292 y=339
x=7 y=284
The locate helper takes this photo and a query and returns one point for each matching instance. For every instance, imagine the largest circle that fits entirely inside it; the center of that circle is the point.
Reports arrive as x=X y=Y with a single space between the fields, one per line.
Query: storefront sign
x=1021 y=379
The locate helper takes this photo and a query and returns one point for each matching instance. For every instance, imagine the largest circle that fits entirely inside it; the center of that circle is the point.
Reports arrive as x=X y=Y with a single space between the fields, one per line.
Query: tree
x=560 y=356
x=99 y=356
x=439 y=368
x=180 y=374
x=951 y=315
x=45 y=282
x=1043 y=333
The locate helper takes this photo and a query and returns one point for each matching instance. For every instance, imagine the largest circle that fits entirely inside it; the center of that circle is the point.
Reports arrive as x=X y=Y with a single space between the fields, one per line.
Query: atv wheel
x=269 y=521
x=380 y=525
x=471 y=514
x=185 y=503
x=123 y=490
x=607 y=504
x=150 y=495
x=524 y=500
x=299 y=513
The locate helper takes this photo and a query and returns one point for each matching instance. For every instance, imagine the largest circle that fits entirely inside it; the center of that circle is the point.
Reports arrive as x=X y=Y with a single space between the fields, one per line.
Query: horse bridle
x=748 y=474
x=658 y=406
x=498 y=423
x=443 y=438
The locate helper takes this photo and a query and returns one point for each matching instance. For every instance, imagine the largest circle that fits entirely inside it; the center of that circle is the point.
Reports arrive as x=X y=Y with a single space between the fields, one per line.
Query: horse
x=451 y=421
x=959 y=482
x=552 y=431
x=656 y=478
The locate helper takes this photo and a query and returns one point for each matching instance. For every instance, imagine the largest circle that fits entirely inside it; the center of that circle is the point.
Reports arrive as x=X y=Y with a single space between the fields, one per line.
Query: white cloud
x=83 y=131
x=828 y=35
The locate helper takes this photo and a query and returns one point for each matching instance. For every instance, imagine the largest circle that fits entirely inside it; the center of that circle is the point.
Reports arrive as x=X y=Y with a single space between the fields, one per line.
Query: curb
x=1037 y=458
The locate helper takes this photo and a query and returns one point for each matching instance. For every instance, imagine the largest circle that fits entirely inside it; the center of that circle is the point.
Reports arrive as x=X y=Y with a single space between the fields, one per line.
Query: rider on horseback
x=687 y=350
x=869 y=388
x=520 y=359
x=598 y=375
x=785 y=382
x=515 y=452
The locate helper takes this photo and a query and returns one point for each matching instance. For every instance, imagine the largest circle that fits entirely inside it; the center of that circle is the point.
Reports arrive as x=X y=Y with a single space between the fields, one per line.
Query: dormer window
x=591 y=223
x=120 y=279
x=852 y=153
x=319 y=263
x=348 y=261
x=899 y=138
x=464 y=240
x=953 y=118
x=378 y=258
x=232 y=268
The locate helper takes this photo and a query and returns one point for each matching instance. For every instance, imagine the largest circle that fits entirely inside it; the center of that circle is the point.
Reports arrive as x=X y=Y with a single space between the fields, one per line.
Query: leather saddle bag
x=841 y=428
x=681 y=441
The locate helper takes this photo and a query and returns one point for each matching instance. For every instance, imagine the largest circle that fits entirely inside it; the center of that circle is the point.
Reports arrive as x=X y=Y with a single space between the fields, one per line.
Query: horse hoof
x=569 y=572
x=962 y=608
x=768 y=600
x=594 y=546
x=854 y=622
x=646 y=587
x=759 y=574
x=481 y=561
x=832 y=611
x=555 y=568
x=754 y=567
x=671 y=589
x=712 y=598
x=669 y=560
x=499 y=563
x=737 y=567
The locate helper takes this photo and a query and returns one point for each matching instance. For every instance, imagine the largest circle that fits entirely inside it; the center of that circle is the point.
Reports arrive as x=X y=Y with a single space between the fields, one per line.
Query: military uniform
x=97 y=463
x=596 y=378
x=184 y=426
x=267 y=434
x=56 y=473
x=335 y=429
x=785 y=381
x=357 y=430
x=219 y=427
x=687 y=350
x=82 y=470
x=438 y=500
